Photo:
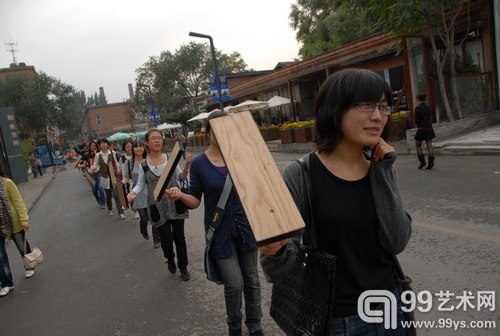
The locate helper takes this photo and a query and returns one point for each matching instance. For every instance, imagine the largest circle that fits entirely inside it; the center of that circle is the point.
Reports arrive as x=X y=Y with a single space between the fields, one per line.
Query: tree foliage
x=40 y=101
x=175 y=78
x=323 y=25
x=436 y=20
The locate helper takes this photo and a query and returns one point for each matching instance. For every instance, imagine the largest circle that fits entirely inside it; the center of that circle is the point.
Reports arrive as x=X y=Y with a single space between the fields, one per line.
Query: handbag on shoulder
x=404 y=284
x=6 y=223
x=302 y=302
x=211 y=268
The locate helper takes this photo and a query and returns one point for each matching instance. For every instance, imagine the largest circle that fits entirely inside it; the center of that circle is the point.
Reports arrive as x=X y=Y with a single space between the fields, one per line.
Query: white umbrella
x=201 y=116
x=248 y=105
x=165 y=126
x=277 y=101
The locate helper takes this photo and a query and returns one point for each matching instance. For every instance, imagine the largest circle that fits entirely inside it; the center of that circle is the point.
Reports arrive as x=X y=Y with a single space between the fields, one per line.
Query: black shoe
x=257 y=333
x=146 y=237
x=235 y=332
x=171 y=266
x=185 y=276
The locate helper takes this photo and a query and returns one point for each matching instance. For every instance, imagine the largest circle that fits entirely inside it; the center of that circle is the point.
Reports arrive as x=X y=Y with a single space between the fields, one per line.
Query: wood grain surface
x=270 y=208
x=168 y=172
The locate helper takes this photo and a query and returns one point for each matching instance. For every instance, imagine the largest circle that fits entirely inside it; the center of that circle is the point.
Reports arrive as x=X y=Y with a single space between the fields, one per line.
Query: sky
x=100 y=43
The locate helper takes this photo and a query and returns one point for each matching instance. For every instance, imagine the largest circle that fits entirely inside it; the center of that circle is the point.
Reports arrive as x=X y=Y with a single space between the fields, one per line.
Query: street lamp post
x=151 y=99
x=216 y=69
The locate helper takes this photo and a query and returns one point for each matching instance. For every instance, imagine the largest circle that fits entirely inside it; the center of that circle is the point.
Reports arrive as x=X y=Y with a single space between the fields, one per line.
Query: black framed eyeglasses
x=369 y=107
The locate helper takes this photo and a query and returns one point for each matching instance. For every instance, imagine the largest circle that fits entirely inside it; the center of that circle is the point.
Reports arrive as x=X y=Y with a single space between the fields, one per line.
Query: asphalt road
x=100 y=277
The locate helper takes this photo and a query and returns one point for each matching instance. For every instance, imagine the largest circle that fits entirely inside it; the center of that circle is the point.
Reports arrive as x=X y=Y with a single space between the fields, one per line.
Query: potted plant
x=270 y=132
x=286 y=133
x=398 y=125
x=303 y=131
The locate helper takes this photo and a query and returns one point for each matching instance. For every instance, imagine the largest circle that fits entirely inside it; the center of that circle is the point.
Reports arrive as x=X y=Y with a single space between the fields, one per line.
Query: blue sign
x=154 y=115
x=214 y=92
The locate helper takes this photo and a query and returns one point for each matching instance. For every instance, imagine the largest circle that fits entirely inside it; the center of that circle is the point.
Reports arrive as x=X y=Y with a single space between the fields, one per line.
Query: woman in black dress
x=425 y=132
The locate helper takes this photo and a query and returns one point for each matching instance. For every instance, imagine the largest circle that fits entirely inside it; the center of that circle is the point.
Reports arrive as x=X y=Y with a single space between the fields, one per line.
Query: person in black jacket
x=425 y=132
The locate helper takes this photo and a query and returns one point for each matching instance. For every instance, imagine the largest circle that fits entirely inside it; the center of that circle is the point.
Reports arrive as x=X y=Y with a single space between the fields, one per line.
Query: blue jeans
x=5 y=275
x=241 y=277
x=97 y=190
x=354 y=325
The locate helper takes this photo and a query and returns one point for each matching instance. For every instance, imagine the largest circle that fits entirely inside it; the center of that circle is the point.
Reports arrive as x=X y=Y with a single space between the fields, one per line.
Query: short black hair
x=102 y=140
x=341 y=91
x=422 y=96
x=213 y=115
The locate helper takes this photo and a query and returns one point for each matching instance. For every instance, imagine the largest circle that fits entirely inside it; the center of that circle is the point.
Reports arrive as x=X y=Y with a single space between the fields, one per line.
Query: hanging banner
x=224 y=88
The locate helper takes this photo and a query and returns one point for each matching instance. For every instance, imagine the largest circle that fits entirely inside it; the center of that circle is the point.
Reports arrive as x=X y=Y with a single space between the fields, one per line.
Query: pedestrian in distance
x=32 y=161
x=163 y=214
x=425 y=131
x=87 y=160
x=39 y=166
x=101 y=165
x=140 y=202
x=19 y=217
x=181 y=140
x=233 y=245
x=356 y=205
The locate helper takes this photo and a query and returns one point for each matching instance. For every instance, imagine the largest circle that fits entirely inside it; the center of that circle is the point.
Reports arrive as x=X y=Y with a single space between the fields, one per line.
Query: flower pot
x=397 y=129
x=302 y=135
x=274 y=134
x=265 y=135
x=286 y=136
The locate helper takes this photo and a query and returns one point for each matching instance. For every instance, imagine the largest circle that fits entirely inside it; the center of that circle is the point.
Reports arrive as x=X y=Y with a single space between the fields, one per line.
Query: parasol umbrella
x=140 y=134
x=277 y=101
x=165 y=126
x=248 y=105
x=201 y=116
x=118 y=136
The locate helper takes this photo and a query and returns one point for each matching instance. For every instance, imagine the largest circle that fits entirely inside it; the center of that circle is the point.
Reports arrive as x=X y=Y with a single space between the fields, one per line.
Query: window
x=98 y=119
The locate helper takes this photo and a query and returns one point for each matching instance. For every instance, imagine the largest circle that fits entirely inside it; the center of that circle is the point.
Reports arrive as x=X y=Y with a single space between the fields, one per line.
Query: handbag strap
x=219 y=210
x=309 y=237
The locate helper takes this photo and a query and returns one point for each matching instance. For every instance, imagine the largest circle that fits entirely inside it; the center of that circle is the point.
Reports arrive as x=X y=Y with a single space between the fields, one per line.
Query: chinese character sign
x=12 y=145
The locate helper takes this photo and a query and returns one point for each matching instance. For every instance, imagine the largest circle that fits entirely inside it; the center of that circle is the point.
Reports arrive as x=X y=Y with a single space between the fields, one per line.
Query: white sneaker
x=6 y=290
x=29 y=273
x=136 y=216
x=122 y=216
x=110 y=213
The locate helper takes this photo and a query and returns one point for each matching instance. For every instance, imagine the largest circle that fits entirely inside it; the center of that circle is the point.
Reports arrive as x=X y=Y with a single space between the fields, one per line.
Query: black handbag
x=302 y=301
x=404 y=284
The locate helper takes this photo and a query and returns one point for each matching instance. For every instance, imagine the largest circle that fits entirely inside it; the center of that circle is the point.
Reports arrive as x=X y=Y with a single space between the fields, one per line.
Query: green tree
x=41 y=101
x=323 y=25
x=176 y=78
x=436 y=20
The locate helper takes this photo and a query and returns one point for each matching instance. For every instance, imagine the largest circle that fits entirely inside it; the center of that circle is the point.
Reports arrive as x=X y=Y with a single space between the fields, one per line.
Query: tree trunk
x=457 y=111
x=442 y=87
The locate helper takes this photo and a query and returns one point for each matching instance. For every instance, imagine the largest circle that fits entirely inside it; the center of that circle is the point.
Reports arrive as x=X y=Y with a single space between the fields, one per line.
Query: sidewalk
x=34 y=188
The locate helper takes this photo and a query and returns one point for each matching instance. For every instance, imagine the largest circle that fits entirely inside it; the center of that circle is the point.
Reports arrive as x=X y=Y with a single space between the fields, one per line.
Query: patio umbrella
x=140 y=134
x=277 y=101
x=118 y=136
x=248 y=105
x=165 y=126
x=201 y=116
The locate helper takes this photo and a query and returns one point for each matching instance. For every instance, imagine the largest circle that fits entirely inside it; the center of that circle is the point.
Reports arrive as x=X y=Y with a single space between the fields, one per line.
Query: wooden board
x=120 y=188
x=268 y=204
x=119 y=185
x=78 y=158
x=168 y=172
x=89 y=177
